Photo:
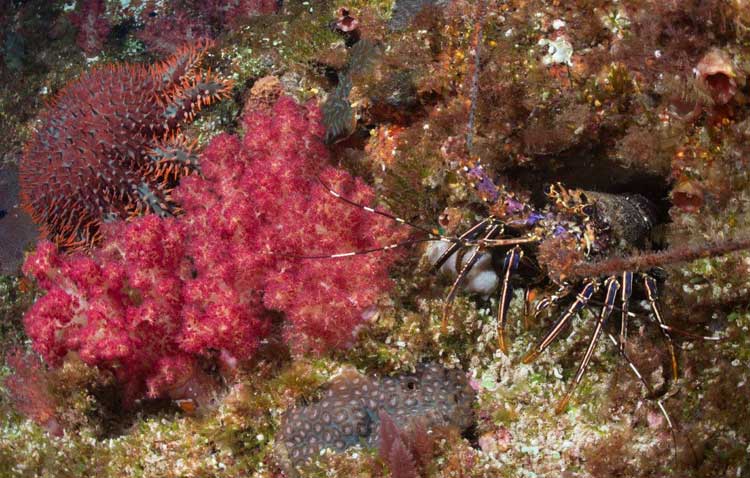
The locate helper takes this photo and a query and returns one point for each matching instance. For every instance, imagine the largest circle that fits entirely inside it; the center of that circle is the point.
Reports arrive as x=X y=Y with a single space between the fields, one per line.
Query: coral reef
x=352 y=408
x=109 y=147
x=626 y=99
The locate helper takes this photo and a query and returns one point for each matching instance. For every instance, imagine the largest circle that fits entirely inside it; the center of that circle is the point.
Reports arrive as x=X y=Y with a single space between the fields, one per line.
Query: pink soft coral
x=161 y=293
x=260 y=202
x=31 y=391
x=325 y=300
x=119 y=308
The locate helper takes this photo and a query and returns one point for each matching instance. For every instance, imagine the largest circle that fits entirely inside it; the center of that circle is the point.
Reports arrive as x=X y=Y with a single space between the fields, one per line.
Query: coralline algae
x=348 y=412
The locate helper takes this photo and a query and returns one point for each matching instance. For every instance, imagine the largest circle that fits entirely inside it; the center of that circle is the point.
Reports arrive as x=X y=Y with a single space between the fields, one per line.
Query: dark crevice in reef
x=593 y=170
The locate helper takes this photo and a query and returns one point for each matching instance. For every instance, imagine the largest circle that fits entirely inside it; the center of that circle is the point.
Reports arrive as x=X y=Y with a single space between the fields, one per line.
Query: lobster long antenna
x=332 y=192
x=642 y=262
x=360 y=252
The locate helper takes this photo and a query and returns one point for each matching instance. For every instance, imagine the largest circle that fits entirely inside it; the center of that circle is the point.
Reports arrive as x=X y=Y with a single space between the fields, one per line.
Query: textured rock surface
x=16 y=227
x=404 y=11
x=348 y=412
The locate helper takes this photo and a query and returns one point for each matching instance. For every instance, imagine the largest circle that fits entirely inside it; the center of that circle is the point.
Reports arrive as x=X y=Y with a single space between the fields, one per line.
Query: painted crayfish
x=575 y=226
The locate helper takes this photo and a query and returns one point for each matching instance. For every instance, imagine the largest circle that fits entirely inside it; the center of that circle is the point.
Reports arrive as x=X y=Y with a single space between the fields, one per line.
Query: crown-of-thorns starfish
x=109 y=146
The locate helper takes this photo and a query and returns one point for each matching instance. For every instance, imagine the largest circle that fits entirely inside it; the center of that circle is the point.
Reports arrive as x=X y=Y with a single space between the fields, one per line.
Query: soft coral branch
x=31 y=391
x=159 y=294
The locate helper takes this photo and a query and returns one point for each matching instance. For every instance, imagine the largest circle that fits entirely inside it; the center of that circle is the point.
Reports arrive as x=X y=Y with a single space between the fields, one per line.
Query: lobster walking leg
x=473 y=257
x=611 y=286
x=580 y=301
x=460 y=242
x=510 y=264
x=650 y=285
x=627 y=290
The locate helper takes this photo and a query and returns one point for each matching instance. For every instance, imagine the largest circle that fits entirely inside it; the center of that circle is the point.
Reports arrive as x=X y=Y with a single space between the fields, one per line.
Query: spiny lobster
x=593 y=234
x=584 y=224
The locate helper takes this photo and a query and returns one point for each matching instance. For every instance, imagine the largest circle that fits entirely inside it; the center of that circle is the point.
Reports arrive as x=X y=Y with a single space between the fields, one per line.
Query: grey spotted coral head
x=348 y=413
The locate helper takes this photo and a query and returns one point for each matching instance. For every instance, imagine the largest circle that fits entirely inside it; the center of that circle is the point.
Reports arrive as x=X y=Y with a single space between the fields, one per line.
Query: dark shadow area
x=17 y=230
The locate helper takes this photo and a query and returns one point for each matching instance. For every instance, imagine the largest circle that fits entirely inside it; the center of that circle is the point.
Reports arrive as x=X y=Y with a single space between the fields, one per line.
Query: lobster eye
x=548 y=190
x=588 y=210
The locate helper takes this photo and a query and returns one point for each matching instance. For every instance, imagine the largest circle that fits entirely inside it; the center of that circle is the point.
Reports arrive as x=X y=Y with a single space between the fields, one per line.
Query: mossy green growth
x=401 y=338
x=381 y=8
x=246 y=62
x=16 y=295
x=292 y=39
x=233 y=439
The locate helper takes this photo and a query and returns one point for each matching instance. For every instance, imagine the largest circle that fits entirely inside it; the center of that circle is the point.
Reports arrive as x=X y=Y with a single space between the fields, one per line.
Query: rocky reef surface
x=353 y=144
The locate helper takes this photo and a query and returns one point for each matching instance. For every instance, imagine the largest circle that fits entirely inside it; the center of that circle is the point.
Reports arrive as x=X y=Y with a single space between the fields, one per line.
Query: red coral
x=167 y=25
x=110 y=148
x=160 y=293
x=93 y=26
x=30 y=391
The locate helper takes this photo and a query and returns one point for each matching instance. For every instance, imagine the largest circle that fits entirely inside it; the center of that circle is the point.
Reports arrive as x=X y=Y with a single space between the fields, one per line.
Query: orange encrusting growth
x=109 y=146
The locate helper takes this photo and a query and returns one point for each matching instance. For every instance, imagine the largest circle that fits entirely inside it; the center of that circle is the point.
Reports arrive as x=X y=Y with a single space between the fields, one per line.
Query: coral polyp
x=109 y=147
